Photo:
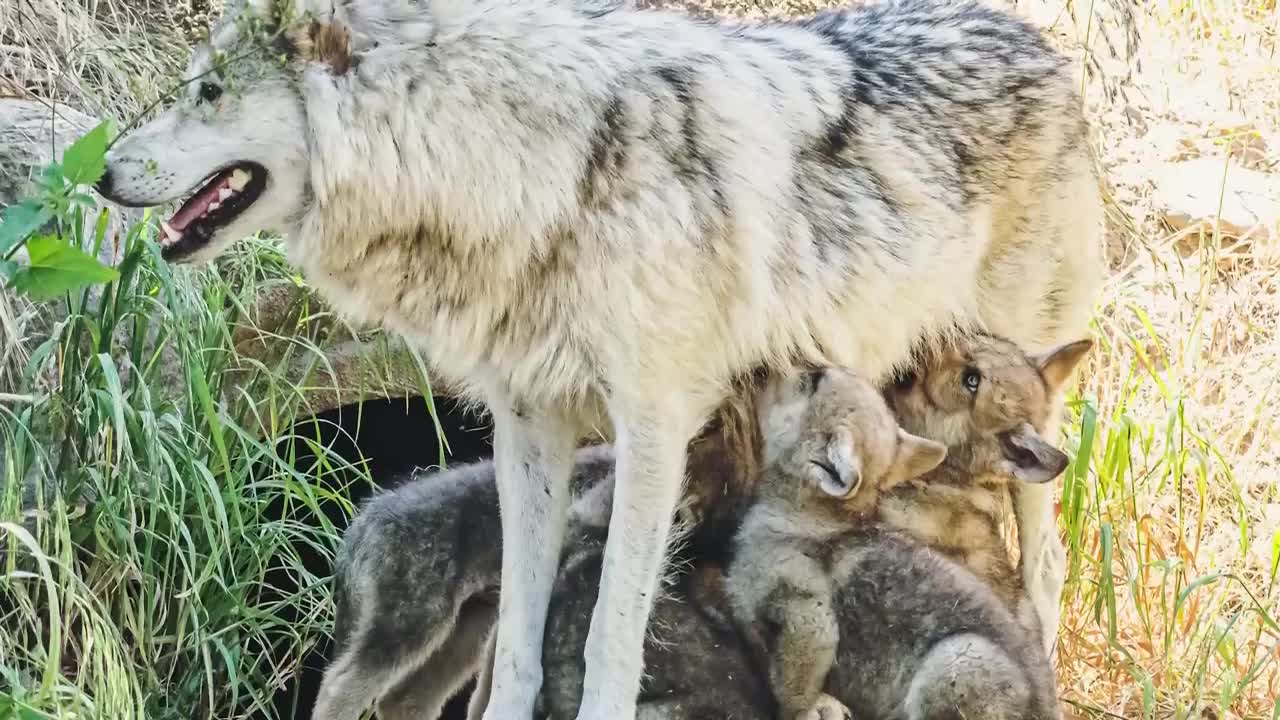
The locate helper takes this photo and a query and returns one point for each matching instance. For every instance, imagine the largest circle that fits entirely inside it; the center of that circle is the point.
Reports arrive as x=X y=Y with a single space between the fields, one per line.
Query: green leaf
x=20 y=221
x=51 y=180
x=57 y=267
x=8 y=268
x=84 y=162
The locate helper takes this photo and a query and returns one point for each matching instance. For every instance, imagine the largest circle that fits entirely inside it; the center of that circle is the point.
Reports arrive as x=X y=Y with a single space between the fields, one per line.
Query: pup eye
x=972 y=379
x=209 y=92
x=814 y=379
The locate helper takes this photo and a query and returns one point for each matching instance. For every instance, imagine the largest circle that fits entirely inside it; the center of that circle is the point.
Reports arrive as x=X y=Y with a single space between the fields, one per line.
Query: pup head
x=984 y=394
x=834 y=430
x=233 y=139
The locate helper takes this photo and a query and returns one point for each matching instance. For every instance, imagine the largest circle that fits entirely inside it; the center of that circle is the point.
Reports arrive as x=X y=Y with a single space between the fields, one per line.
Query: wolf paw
x=826 y=708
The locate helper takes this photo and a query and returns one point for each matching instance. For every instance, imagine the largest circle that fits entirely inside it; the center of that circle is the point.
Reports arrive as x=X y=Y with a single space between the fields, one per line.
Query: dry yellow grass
x=1172 y=514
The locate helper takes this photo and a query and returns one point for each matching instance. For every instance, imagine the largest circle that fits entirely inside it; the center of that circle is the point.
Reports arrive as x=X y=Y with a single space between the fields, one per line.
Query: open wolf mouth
x=227 y=193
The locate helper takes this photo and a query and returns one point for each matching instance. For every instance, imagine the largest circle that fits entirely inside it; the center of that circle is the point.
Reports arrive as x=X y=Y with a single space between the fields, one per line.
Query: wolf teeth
x=225 y=193
x=213 y=206
x=238 y=180
x=171 y=236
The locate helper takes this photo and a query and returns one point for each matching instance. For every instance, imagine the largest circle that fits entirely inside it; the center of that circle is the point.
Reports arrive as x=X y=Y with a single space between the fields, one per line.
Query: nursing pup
x=538 y=194
x=868 y=578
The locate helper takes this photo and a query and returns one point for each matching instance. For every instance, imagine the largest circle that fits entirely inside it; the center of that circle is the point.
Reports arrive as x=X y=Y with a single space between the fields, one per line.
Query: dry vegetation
x=1172 y=511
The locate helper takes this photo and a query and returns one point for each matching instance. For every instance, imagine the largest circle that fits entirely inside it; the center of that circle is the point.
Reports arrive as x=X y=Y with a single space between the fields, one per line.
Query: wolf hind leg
x=423 y=692
x=968 y=676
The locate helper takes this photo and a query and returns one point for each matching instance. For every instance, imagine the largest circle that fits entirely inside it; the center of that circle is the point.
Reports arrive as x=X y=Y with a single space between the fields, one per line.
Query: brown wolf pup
x=847 y=611
x=990 y=404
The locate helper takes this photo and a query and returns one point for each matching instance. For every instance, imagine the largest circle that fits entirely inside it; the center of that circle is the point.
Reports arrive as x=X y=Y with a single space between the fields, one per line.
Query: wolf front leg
x=533 y=454
x=651 y=441
x=1043 y=560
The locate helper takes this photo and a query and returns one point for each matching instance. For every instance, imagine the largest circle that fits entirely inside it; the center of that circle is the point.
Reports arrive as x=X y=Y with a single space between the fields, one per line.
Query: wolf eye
x=972 y=379
x=210 y=92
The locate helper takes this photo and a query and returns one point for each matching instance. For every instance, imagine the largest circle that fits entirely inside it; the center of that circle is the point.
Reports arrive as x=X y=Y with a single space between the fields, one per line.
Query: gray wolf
x=418 y=573
x=846 y=610
x=539 y=194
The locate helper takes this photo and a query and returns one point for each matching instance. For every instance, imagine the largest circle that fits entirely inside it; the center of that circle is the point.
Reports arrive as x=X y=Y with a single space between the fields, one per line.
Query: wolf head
x=985 y=394
x=834 y=431
x=232 y=140
x=237 y=139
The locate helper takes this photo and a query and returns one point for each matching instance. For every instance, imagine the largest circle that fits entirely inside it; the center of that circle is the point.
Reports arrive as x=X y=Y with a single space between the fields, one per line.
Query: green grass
x=133 y=585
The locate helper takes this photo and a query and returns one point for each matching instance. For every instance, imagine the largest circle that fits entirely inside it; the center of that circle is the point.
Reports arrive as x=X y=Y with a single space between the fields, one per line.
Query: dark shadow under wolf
x=392 y=437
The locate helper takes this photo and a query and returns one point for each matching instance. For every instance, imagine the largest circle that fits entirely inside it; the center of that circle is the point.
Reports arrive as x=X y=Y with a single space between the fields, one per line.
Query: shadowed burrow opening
x=392 y=437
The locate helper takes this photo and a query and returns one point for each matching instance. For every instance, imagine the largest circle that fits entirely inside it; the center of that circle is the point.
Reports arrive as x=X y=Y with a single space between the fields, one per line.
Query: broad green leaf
x=21 y=220
x=57 y=267
x=84 y=162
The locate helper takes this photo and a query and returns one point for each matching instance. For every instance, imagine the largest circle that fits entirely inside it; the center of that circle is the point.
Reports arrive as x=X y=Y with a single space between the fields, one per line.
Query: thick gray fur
x=886 y=626
x=922 y=638
x=697 y=665
x=416 y=585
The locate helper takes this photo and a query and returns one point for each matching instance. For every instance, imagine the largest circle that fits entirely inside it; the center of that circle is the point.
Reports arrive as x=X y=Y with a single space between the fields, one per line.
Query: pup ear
x=1029 y=458
x=915 y=456
x=1057 y=364
x=327 y=42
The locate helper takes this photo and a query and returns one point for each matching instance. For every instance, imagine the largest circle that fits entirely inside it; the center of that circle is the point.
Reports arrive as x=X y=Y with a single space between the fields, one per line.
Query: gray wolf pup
x=539 y=194
x=417 y=578
x=836 y=601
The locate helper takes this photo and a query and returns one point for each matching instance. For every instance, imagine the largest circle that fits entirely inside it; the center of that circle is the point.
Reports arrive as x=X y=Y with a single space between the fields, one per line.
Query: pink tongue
x=196 y=206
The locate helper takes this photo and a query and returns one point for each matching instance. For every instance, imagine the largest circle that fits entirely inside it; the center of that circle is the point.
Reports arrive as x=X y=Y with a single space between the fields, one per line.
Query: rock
x=1188 y=195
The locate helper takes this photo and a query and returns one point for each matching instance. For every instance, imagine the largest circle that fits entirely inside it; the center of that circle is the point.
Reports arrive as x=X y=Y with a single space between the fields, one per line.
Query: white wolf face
x=233 y=143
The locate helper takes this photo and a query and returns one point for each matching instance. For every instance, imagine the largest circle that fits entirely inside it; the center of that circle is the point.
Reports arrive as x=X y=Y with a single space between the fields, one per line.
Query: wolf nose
x=103 y=186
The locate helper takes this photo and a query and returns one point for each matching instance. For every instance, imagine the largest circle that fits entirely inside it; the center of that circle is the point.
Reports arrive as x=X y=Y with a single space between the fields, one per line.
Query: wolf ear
x=1057 y=364
x=915 y=456
x=327 y=42
x=1028 y=457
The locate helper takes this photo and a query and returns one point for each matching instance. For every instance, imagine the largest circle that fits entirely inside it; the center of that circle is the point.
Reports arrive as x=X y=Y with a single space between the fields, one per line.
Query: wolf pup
x=990 y=403
x=831 y=446
x=417 y=577
x=416 y=589
x=697 y=666
x=839 y=429
x=848 y=613
x=537 y=193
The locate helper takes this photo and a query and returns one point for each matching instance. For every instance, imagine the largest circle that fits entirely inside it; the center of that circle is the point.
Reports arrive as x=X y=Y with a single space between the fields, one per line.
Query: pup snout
x=842 y=467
